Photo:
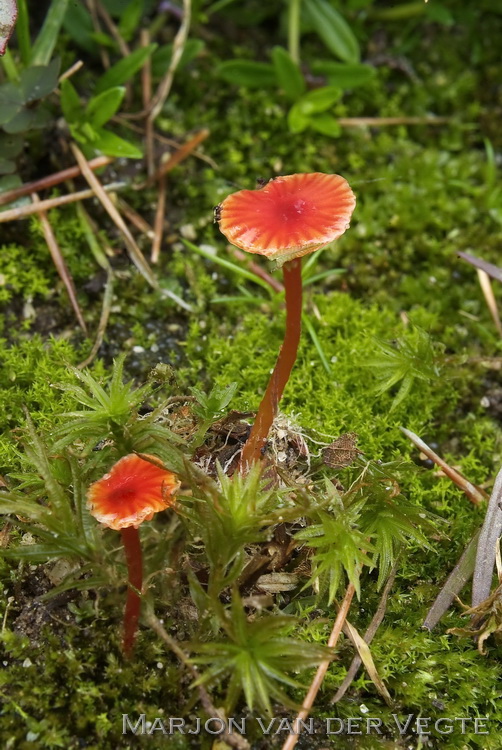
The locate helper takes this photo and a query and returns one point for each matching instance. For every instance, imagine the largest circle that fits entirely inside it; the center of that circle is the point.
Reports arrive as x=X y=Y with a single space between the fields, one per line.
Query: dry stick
x=158 y=226
x=231 y=739
x=135 y=218
x=16 y=214
x=368 y=636
x=486 y=288
x=156 y=104
x=51 y=180
x=112 y=28
x=180 y=155
x=71 y=71
x=105 y=58
x=58 y=261
x=146 y=88
x=351 y=122
x=475 y=494
x=267 y=410
x=134 y=251
x=323 y=667
x=103 y=321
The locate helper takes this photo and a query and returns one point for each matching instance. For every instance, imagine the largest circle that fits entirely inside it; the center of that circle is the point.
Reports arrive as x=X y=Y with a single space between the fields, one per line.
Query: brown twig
x=21 y=212
x=105 y=58
x=135 y=218
x=368 y=636
x=323 y=667
x=158 y=226
x=276 y=285
x=491 y=302
x=233 y=740
x=146 y=88
x=164 y=87
x=71 y=71
x=51 y=180
x=112 y=28
x=180 y=155
x=59 y=261
x=375 y=122
x=135 y=253
x=475 y=494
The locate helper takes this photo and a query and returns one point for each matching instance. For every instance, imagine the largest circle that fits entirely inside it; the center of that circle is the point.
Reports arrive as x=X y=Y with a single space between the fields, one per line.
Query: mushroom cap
x=132 y=492
x=290 y=216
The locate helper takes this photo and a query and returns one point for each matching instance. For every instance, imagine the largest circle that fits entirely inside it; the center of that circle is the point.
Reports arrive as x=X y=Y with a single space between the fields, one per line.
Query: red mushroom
x=287 y=218
x=135 y=488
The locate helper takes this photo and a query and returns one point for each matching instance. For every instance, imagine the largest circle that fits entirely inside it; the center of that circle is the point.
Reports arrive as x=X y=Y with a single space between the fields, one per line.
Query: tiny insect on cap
x=132 y=492
x=290 y=216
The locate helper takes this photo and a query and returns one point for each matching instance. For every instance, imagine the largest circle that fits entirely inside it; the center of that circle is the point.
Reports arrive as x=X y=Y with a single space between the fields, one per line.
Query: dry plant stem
x=491 y=302
x=487 y=546
x=179 y=155
x=357 y=122
x=475 y=494
x=159 y=221
x=258 y=270
x=231 y=739
x=71 y=71
x=158 y=101
x=132 y=548
x=322 y=668
x=51 y=180
x=112 y=28
x=59 y=261
x=368 y=636
x=135 y=253
x=15 y=214
x=135 y=218
x=146 y=86
x=292 y=271
x=105 y=58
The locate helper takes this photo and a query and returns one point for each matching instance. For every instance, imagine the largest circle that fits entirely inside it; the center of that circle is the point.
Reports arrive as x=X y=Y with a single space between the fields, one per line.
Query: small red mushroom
x=135 y=488
x=289 y=217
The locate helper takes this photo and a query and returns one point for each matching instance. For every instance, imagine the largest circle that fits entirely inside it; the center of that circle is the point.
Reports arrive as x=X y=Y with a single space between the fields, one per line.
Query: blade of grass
x=313 y=335
x=48 y=36
x=364 y=653
x=227 y=264
x=23 y=32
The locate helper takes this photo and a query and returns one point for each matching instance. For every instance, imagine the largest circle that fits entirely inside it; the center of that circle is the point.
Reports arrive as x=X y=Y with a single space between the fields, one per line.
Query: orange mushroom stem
x=135 y=488
x=287 y=218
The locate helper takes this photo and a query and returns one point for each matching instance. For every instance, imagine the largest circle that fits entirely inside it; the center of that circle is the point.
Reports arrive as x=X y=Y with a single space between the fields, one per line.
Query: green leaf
x=333 y=30
x=319 y=100
x=39 y=80
x=247 y=73
x=326 y=124
x=26 y=119
x=11 y=101
x=112 y=145
x=78 y=24
x=288 y=73
x=344 y=75
x=48 y=36
x=124 y=70
x=130 y=19
x=298 y=121
x=70 y=102
x=102 y=107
